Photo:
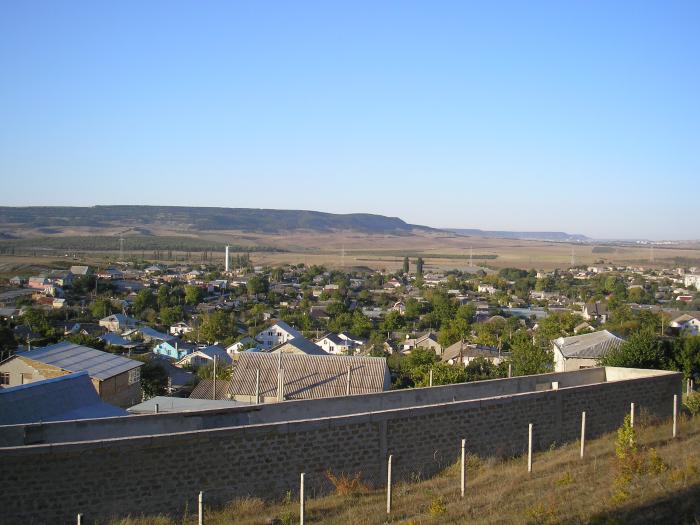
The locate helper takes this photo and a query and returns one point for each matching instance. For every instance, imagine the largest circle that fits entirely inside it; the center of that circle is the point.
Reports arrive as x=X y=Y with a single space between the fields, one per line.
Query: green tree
x=530 y=358
x=102 y=307
x=171 y=314
x=257 y=285
x=361 y=324
x=419 y=266
x=193 y=294
x=144 y=300
x=154 y=379
x=405 y=265
x=643 y=349
x=216 y=326
x=393 y=320
x=479 y=369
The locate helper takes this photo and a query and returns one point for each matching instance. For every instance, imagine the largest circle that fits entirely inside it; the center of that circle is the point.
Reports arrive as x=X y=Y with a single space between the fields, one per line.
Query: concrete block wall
x=152 y=474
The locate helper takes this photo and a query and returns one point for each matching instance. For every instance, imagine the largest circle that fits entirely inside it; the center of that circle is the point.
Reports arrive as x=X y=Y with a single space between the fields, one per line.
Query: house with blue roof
x=117 y=379
x=174 y=349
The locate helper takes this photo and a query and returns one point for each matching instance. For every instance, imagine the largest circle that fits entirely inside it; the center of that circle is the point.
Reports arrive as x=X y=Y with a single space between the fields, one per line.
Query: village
x=158 y=337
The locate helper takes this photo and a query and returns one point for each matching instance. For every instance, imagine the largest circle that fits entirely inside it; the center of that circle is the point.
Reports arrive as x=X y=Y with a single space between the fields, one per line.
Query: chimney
x=226 y=262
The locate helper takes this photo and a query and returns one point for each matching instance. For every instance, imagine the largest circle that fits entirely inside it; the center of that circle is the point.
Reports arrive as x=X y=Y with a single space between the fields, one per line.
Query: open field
x=561 y=489
x=440 y=250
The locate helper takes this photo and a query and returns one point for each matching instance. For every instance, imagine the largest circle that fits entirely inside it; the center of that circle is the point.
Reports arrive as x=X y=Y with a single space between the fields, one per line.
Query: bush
x=692 y=403
x=345 y=485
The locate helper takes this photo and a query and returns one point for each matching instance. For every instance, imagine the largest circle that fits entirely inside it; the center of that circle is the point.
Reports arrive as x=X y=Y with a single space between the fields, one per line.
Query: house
x=113 y=339
x=278 y=332
x=115 y=378
x=597 y=311
x=118 y=322
x=399 y=306
x=583 y=327
x=180 y=329
x=111 y=274
x=467 y=352
x=63 y=398
x=298 y=345
x=240 y=346
x=333 y=344
x=81 y=270
x=284 y=376
x=686 y=323
x=487 y=288
x=428 y=340
x=150 y=334
x=206 y=356
x=17 y=281
x=692 y=279
x=583 y=351
x=174 y=349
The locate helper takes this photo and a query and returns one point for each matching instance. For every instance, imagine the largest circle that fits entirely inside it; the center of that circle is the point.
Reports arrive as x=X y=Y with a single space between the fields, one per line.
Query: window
x=134 y=375
x=4 y=378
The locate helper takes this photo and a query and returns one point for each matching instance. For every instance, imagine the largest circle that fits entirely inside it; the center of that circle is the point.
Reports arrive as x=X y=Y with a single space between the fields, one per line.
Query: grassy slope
x=561 y=489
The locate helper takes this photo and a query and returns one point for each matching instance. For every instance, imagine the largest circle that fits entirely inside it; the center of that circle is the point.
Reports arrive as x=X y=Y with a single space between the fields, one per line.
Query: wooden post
x=347 y=382
x=675 y=414
x=687 y=387
x=529 y=448
x=257 y=386
x=583 y=432
x=388 y=486
x=301 y=500
x=464 y=442
x=200 y=508
x=632 y=415
x=510 y=370
x=431 y=377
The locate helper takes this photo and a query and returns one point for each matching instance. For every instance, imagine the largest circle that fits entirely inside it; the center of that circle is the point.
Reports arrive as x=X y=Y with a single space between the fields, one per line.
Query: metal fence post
x=675 y=414
x=529 y=448
x=200 y=508
x=583 y=432
x=632 y=415
x=464 y=442
x=301 y=500
x=388 y=486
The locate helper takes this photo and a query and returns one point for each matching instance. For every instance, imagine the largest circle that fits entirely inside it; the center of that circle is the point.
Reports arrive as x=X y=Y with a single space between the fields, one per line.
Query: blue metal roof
x=63 y=398
x=74 y=358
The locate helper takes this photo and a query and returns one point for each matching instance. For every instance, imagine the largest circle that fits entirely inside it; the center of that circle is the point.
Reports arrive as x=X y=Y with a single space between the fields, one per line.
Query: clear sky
x=581 y=116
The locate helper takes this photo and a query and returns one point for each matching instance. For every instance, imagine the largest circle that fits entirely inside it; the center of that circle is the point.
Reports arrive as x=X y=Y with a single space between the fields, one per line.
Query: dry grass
x=561 y=489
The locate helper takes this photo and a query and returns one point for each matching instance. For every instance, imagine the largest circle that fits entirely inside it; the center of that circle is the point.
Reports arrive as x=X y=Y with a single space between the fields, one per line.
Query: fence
x=158 y=473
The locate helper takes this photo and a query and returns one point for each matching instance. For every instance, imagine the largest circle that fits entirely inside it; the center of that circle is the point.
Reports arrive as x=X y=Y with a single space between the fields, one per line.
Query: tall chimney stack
x=226 y=263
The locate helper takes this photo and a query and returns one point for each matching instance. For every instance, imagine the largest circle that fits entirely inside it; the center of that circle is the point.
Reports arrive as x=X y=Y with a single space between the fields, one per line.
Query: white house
x=486 y=288
x=582 y=351
x=687 y=323
x=206 y=356
x=278 y=333
x=692 y=279
x=180 y=329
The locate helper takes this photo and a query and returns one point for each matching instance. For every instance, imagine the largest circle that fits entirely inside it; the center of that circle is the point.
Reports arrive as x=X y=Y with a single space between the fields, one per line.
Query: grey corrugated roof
x=205 y=389
x=302 y=344
x=590 y=346
x=308 y=376
x=74 y=358
x=63 y=398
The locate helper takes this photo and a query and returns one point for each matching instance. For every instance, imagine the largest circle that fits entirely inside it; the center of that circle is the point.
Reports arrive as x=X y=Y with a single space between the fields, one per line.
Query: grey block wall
x=51 y=483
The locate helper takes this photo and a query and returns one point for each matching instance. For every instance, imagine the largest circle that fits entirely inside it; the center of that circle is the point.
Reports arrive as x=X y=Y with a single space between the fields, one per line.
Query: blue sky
x=574 y=116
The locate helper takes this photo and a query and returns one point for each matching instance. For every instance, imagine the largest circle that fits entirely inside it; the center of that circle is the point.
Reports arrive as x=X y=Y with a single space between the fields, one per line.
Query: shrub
x=437 y=506
x=692 y=403
x=345 y=485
